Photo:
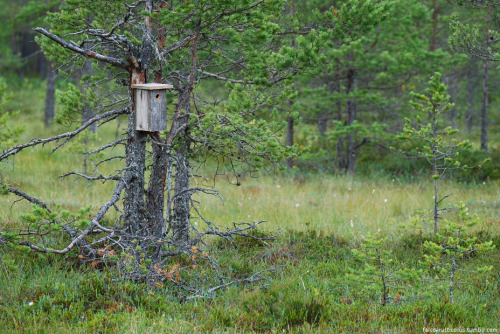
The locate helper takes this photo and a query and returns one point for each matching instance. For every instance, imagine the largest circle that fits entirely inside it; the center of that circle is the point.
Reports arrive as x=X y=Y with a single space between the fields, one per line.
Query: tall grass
x=323 y=216
x=292 y=200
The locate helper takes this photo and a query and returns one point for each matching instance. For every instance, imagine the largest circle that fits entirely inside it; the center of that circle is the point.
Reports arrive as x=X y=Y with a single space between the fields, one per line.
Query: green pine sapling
x=378 y=270
x=453 y=246
x=434 y=141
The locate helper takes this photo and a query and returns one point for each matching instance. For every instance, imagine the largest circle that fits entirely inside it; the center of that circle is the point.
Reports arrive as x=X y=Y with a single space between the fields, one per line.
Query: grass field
x=316 y=285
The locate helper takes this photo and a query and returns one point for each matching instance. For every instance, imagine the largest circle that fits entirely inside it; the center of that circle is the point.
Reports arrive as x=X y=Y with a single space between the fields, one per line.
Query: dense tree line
x=356 y=94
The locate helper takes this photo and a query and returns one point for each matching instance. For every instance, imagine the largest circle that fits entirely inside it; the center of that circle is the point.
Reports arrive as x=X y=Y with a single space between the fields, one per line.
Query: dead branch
x=252 y=279
x=102 y=148
x=87 y=53
x=69 y=135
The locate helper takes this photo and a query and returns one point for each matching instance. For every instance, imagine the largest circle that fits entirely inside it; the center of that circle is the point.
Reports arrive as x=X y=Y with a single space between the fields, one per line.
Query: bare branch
x=102 y=148
x=87 y=53
x=35 y=142
x=218 y=77
x=252 y=279
x=94 y=223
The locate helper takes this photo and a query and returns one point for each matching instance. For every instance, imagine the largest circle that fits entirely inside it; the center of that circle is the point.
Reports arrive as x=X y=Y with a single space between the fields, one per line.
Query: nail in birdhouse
x=151 y=106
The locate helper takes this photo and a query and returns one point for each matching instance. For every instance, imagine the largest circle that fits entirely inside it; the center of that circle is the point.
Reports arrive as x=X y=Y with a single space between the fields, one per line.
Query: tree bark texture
x=134 y=215
x=87 y=112
x=50 y=97
x=351 y=116
x=178 y=220
x=434 y=149
x=155 y=195
x=435 y=22
x=452 y=90
x=469 y=116
x=323 y=124
x=181 y=216
x=340 y=159
x=289 y=138
x=136 y=220
x=484 y=108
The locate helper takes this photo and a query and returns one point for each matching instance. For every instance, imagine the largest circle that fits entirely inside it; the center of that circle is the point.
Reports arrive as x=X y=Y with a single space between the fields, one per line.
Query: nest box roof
x=152 y=86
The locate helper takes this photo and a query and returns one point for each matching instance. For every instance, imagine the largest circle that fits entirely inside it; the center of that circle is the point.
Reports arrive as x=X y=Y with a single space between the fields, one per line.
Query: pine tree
x=362 y=88
x=378 y=275
x=435 y=142
x=248 y=45
x=481 y=42
x=453 y=246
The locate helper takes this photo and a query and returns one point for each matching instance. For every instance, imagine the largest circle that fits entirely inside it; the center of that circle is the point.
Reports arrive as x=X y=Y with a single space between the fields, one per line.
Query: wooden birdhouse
x=151 y=106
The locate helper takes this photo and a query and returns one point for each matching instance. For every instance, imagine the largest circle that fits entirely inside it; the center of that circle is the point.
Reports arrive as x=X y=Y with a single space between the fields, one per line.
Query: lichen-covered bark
x=133 y=204
x=180 y=223
x=180 y=220
x=155 y=195
x=135 y=217
x=156 y=189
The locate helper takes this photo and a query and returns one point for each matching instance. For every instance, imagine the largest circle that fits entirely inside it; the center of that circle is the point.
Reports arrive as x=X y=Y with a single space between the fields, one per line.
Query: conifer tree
x=435 y=142
x=247 y=45
x=379 y=276
x=479 y=40
x=453 y=246
x=363 y=84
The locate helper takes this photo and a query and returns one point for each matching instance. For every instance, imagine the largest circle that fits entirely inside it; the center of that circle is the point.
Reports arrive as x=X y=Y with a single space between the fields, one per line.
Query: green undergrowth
x=314 y=286
x=311 y=290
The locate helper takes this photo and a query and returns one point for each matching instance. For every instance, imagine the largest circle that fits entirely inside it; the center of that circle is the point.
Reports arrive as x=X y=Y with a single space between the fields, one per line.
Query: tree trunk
x=470 y=97
x=87 y=113
x=435 y=169
x=323 y=124
x=435 y=21
x=181 y=217
x=50 y=98
x=134 y=208
x=452 y=90
x=484 y=108
x=178 y=219
x=155 y=195
x=340 y=159
x=289 y=138
x=351 y=116
x=133 y=203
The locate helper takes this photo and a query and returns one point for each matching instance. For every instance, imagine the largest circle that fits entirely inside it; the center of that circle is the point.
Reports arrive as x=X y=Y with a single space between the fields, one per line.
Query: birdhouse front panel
x=151 y=107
